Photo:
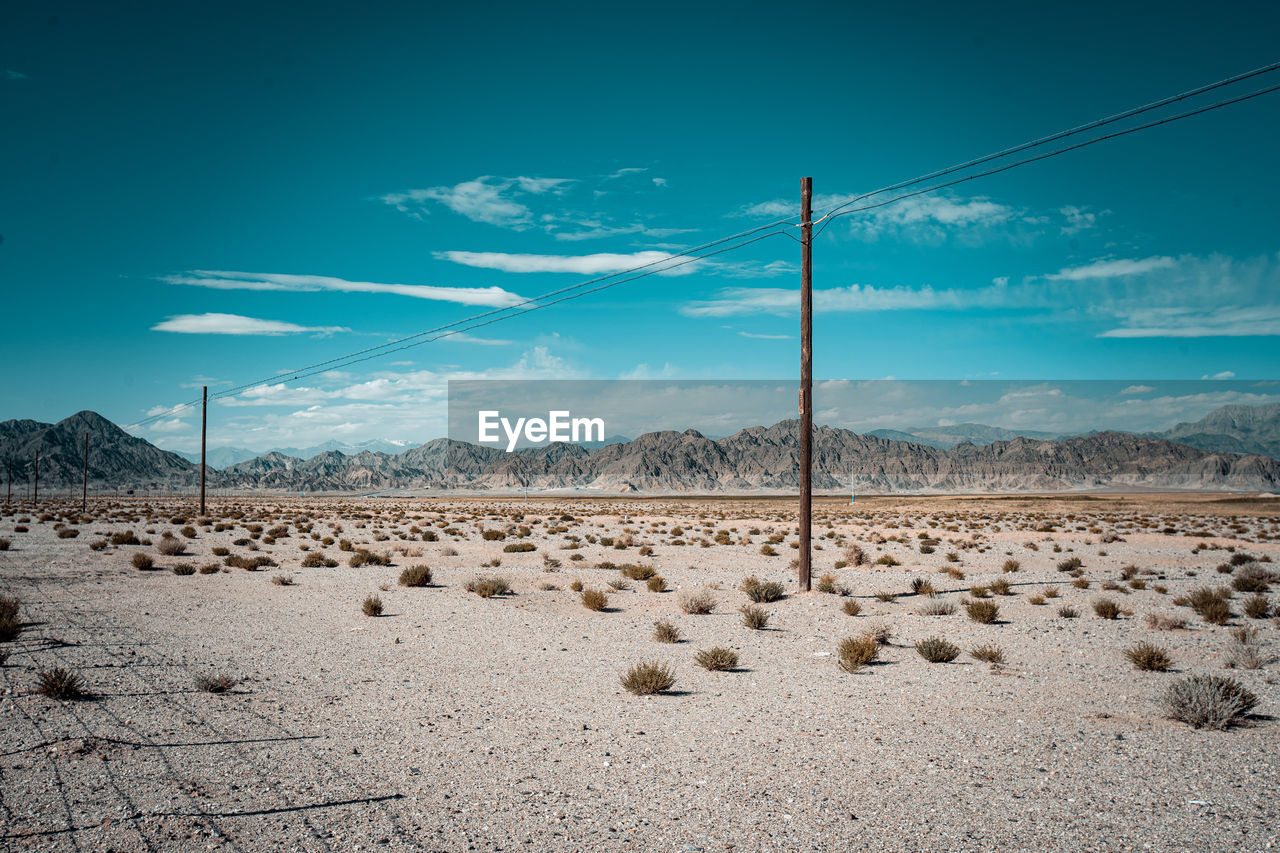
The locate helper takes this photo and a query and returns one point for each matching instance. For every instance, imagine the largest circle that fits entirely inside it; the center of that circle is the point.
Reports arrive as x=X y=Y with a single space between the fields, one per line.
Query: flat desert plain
x=237 y=699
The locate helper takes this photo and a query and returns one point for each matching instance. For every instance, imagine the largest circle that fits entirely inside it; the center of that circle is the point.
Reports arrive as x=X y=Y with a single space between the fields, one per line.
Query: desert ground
x=233 y=698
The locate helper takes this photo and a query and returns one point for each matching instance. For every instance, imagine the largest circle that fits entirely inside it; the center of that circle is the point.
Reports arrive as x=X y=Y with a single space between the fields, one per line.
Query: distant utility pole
x=35 y=497
x=204 y=420
x=84 y=488
x=806 y=382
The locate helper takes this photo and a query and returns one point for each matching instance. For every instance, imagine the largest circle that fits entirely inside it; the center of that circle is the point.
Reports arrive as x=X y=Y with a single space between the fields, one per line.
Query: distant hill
x=224 y=457
x=950 y=436
x=1233 y=429
x=759 y=458
x=116 y=459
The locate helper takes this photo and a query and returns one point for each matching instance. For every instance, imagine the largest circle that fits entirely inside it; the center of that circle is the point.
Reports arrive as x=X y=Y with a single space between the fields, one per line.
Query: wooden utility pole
x=84 y=488
x=204 y=420
x=806 y=382
x=35 y=497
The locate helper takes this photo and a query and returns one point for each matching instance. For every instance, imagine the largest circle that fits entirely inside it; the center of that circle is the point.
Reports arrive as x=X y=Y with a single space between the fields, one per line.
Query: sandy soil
x=454 y=722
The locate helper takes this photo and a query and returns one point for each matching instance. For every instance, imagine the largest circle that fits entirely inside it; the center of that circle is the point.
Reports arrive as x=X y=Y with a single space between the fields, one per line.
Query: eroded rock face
x=753 y=459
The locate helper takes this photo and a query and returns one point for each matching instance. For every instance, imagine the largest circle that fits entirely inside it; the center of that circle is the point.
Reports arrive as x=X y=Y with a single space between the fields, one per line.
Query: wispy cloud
x=1137 y=389
x=493 y=200
x=463 y=337
x=10 y=74
x=733 y=301
x=1113 y=268
x=765 y=337
x=236 y=324
x=596 y=264
x=1237 y=322
x=494 y=297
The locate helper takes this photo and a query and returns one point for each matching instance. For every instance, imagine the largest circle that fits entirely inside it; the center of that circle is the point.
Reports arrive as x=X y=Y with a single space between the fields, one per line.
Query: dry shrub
x=988 y=654
x=760 y=591
x=983 y=612
x=576 y=584
x=718 y=659
x=1000 y=586
x=937 y=650
x=754 y=617
x=637 y=573
x=937 y=607
x=371 y=606
x=594 y=599
x=282 y=580
x=921 y=586
x=851 y=608
x=216 y=682
x=1106 y=608
x=1011 y=565
x=519 y=548
x=1257 y=606
x=1149 y=657
x=317 y=560
x=853 y=653
x=657 y=583
x=1161 y=622
x=143 y=562
x=170 y=546
x=1068 y=612
x=184 y=569
x=68 y=533
x=415 y=576
x=61 y=684
x=10 y=626
x=1246 y=656
x=487 y=587
x=1207 y=701
x=646 y=679
x=665 y=632
x=697 y=602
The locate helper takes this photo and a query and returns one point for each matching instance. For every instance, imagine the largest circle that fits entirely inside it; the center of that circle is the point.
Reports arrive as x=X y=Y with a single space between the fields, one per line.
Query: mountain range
x=755 y=459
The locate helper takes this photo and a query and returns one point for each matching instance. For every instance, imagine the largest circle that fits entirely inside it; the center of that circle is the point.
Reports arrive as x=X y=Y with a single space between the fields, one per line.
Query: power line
x=1062 y=134
x=1054 y=153
x=401 y=343
x=700 y=252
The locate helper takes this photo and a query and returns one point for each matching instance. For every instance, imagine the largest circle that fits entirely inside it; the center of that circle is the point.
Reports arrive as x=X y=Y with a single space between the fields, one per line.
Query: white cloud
x=463 y=337
x=1232 y=322
x=777 y=300
x=578 y=264
x=235 y=324
x=1138 y=389
x=765 y=337
x=1078 y=219
x=494 y=297
x=1226 y=374
x=487 y=199
x=1113 y=268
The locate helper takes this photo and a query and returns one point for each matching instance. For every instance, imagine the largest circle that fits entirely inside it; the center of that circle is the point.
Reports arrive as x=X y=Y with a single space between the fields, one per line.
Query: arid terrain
x=237 y=695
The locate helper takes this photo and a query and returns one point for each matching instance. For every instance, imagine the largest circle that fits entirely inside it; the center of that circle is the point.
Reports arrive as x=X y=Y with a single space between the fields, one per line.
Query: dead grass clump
x=853 y=653
x=755 y=617
x=983 y=612
x=665 y=632
x=851 y=608
x=1161 y=622
x=368 y=558
x=1149 y=657
x=1257 y=606
x=657 y=583
x=921 y=586
x=184 y=569
x=124 y=538
x=216 y=682
x=415 y=576
x=718 y=659
x=1070 y=564
x=10 y=627
x=488 y=587
x=637 y=573
x=61 y=684
x=697 y=602
x=1207 y=701
x=210 y=569
x=170 y=546
x=1068 y=612
x=646 y=679
x=937 y=650
x=519 y=548
x=143 y=562
x=886 y=596
x=1011 y=565
x=988 y=654
x=371 y=606
x=594 y=599
x=282 y=580
x=1246 y=656
x=1106 y=608
x=576 y=585
x=249 y=564
x=937 y=607
x=317 y=560
x=762 y=592
x=68 y=533
x=1000 y=586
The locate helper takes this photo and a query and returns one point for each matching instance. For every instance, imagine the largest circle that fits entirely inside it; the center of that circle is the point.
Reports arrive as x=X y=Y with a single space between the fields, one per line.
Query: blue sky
x=193 y=194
